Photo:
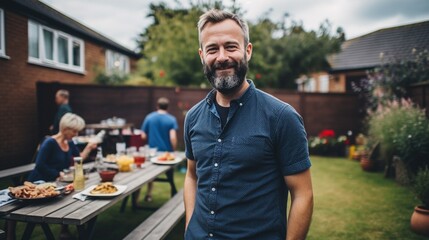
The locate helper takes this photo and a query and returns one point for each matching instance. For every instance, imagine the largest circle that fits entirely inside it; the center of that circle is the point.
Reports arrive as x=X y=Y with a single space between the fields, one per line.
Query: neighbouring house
x=39 y=43
x=358 y=55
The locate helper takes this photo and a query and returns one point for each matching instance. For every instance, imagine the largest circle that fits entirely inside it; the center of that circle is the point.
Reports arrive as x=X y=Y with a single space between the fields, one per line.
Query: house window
x=310 y=85
x=324 y=83
x=117 y=63
x=53 y=48
x=2 y=33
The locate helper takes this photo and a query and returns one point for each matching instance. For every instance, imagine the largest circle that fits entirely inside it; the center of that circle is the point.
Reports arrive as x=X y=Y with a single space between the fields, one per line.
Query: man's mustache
x=224 y=65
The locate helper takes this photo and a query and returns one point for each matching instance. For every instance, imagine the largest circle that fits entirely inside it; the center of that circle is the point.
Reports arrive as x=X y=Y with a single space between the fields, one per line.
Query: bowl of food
x=107 y=175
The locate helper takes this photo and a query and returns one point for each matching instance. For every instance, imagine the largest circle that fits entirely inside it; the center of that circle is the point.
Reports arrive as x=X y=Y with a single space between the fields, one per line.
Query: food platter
x=38 y=199
x=87 y=191
x=31 y=192
x=166 y=162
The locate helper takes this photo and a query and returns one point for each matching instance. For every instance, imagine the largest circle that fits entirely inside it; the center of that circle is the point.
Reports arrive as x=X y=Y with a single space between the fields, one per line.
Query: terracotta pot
x=366 y=164
x=420 y=221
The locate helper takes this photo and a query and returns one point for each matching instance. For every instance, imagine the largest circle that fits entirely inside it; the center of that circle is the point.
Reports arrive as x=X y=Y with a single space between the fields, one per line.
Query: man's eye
x=211 y=50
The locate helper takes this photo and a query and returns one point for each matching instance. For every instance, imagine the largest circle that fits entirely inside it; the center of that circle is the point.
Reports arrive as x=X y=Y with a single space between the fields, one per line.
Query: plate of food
x=166 y=159
x=105 y=189
x=110 y=158
x=34 y=192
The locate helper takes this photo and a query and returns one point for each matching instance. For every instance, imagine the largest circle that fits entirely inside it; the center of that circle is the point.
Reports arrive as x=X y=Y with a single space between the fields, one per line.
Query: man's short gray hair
x=63 y=93
x=217 y=16
x=72 y=121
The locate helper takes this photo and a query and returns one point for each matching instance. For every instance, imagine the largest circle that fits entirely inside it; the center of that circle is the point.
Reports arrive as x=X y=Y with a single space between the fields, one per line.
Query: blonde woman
x=56 y=152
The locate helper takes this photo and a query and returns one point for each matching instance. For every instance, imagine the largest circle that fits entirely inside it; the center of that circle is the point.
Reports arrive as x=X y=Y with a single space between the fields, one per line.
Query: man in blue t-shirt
x=159 y=129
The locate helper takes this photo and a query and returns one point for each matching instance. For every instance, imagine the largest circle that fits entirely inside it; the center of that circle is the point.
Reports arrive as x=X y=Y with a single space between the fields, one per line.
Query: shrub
x=402 y=130
x=421 y=186
x=326 y=144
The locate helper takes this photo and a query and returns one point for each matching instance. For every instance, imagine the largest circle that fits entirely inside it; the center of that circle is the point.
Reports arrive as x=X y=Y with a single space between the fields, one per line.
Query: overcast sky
x=123 y=20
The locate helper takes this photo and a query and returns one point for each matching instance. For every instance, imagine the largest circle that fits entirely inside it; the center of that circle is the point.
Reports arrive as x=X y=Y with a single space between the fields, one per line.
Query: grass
x=349 y=204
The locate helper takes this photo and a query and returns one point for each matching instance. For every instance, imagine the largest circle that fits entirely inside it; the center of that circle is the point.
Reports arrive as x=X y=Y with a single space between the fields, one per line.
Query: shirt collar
x=210 y=98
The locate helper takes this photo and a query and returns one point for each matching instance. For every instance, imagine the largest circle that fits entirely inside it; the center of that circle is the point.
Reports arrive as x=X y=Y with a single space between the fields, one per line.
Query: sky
x=123 y=20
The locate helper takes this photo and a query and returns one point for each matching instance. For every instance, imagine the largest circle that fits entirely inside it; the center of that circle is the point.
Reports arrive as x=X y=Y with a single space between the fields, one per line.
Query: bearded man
x=246 y=149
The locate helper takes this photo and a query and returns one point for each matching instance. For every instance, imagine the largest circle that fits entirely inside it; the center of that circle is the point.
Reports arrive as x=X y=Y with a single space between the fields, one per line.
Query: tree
x=281 y=54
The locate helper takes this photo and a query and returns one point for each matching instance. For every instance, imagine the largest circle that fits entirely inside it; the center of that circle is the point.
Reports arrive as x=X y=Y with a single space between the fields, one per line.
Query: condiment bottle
x=79 y=178
x=98 y=164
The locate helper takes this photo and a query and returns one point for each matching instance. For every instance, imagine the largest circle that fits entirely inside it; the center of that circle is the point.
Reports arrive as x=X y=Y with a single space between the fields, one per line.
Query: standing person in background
x=62 y=100
x=159 y=129
x=246 y=149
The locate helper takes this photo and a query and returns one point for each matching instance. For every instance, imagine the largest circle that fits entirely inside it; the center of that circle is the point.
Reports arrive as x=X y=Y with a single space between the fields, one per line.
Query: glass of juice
x=139 y=159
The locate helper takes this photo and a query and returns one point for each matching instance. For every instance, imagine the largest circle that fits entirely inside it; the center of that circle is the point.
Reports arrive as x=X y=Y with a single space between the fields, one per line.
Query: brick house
x=358 y=55
x=38 y=43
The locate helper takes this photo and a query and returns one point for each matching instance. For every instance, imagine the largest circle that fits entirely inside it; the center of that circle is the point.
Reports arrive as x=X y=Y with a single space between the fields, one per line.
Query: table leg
x=170 y=178
x=47 y=231
x=10 y=227
x=28 y=231
x=124 y=204
x=86 y=233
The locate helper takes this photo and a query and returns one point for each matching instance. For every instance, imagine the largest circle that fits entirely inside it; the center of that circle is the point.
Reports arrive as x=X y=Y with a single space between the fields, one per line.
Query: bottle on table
x=79 y=178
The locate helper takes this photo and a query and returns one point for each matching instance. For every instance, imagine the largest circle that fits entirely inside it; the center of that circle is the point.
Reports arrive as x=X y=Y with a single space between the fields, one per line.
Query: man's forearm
x=299 y=218
x=189 y=193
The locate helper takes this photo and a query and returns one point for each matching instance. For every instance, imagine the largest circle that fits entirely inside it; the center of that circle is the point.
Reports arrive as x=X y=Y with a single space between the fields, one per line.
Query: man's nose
x=223 y=55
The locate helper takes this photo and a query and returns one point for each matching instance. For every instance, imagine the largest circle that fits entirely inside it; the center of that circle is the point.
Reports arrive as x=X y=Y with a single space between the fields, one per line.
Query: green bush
x=402 y=130
x=421 y=186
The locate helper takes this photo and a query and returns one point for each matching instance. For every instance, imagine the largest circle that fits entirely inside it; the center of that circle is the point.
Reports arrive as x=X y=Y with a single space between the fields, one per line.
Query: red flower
x=327 y=133
x=258 y=76
x=162 y=73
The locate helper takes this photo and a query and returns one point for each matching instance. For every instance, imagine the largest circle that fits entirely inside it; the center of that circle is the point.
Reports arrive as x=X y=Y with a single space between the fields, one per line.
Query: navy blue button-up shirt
x=241 y=193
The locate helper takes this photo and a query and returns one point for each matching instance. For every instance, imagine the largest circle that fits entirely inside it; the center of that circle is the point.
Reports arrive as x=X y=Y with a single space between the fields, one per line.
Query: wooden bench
x=2 y=235
x=161 y=222
x=17 y=172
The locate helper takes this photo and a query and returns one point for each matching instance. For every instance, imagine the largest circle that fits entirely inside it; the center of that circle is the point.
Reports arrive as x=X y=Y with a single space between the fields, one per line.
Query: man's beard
x=227 y=84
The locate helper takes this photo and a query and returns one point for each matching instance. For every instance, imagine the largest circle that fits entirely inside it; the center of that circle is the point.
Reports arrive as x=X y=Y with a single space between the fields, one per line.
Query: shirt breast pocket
x=248 y=152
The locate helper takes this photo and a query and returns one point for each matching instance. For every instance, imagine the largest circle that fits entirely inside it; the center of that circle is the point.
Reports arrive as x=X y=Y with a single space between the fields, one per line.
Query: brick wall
x=18 y=110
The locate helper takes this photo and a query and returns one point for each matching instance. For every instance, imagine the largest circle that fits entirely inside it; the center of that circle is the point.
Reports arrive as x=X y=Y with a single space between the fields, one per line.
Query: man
x=159 y=129
x=245 y=148
x=62 y=100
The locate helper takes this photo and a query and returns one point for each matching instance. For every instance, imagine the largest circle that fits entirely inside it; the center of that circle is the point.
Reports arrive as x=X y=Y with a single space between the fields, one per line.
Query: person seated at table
x=56 y=152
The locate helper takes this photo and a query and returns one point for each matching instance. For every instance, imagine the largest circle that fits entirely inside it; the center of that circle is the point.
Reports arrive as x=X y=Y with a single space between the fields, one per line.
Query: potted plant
x=420 y=216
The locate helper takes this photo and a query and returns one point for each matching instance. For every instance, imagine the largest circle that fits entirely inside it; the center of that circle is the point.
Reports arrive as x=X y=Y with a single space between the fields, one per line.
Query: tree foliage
x=281 y=54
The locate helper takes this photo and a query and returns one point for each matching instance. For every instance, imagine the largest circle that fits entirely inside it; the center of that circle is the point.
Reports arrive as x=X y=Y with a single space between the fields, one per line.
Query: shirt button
x=212 y=212
x=213 y=189
x=241 y=104
x=216 y=164
x=211 y=234
x=219 y=140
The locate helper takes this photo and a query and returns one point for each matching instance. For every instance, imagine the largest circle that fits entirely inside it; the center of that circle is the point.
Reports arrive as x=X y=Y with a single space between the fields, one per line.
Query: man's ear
x=249 y=50
x=200 y=52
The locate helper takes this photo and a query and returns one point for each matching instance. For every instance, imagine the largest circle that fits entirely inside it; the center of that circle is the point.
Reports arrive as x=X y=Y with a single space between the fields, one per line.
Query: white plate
x=121 y=189
x=166 y=162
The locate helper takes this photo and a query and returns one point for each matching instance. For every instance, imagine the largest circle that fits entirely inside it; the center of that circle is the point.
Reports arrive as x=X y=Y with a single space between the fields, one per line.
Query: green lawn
x=349 y=204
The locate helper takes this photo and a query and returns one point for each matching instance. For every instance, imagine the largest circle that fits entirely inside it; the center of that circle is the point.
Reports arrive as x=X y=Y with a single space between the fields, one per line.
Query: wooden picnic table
x=82 y=214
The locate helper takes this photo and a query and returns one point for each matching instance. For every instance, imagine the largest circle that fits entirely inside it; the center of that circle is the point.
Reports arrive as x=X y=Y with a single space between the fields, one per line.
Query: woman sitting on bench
x=56 y=152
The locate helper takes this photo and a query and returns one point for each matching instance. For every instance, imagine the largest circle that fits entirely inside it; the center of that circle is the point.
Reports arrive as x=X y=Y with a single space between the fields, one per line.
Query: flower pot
x=420 y=221
x=366 y=164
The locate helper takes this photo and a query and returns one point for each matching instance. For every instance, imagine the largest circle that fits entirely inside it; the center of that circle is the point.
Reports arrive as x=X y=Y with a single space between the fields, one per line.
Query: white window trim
x=324 y=83
x=109 y=58
x=2 y=36
x=43 y=61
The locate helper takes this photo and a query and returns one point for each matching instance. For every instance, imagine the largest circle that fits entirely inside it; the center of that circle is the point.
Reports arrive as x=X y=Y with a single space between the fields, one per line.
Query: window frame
x=2 y=35
x=123 y=60
x=55 y=63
